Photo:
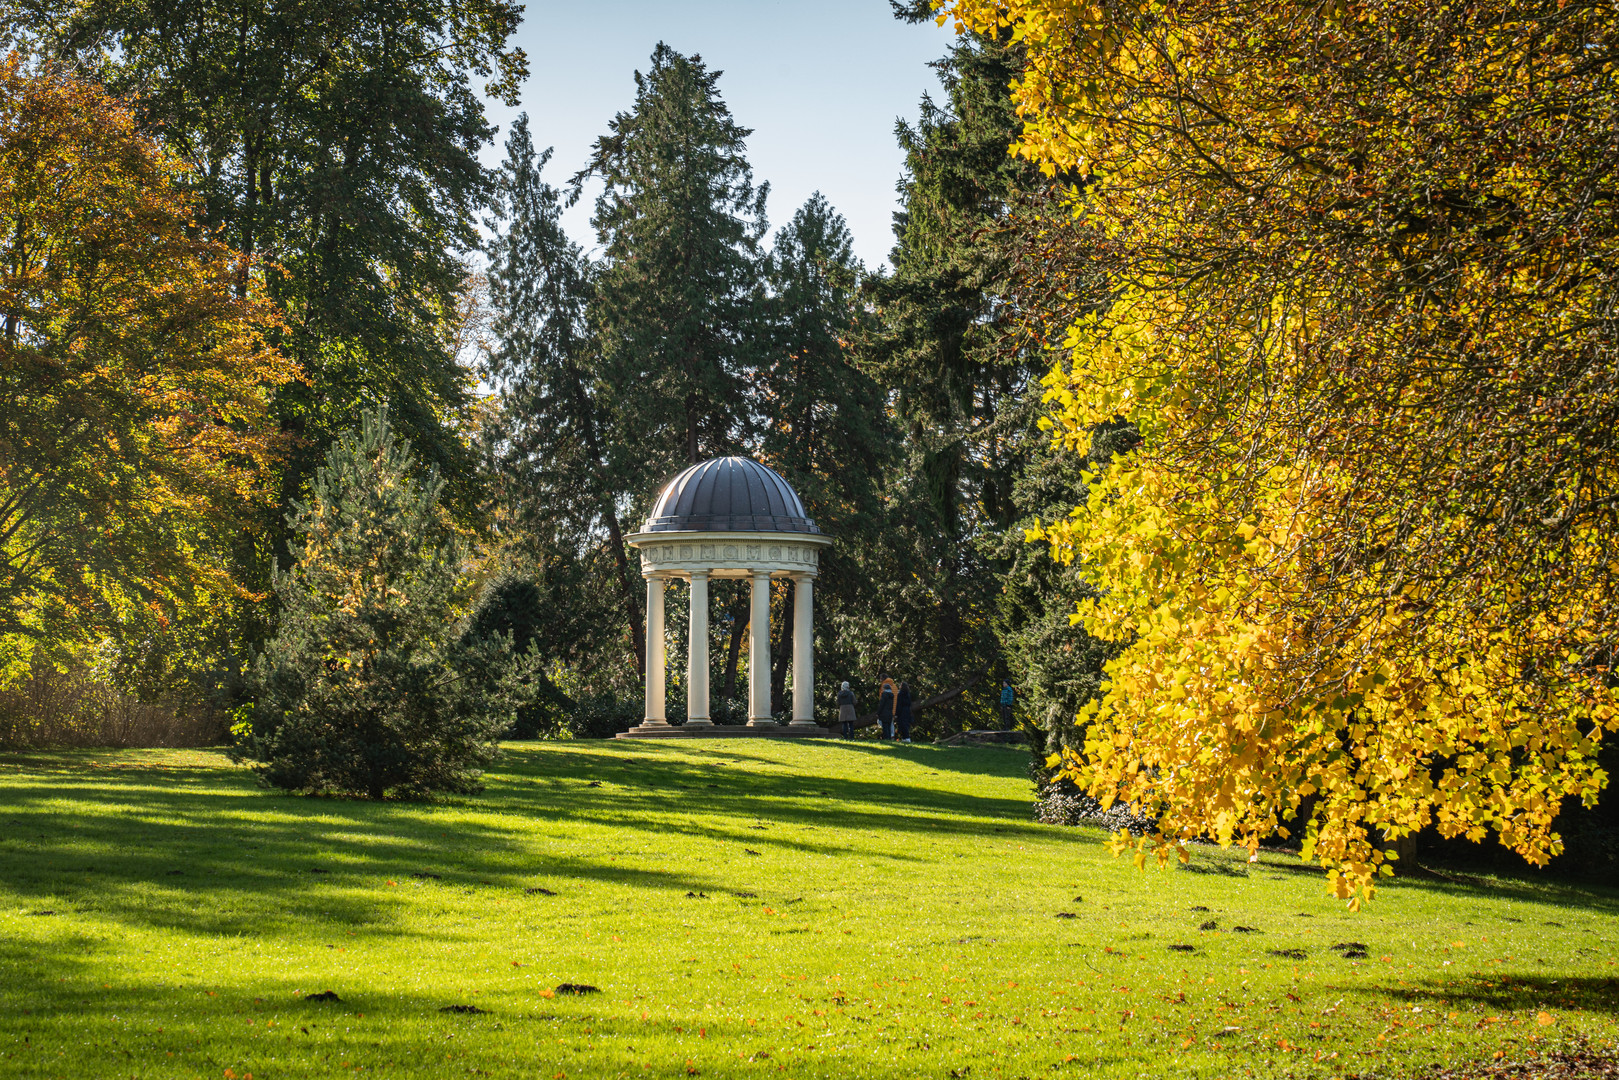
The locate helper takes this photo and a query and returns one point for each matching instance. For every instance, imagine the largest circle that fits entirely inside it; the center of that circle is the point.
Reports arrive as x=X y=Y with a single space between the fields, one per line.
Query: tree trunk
x=615 y=535
x=739 y=623
x=632 y=606
x=691 y=430
x=783 y=652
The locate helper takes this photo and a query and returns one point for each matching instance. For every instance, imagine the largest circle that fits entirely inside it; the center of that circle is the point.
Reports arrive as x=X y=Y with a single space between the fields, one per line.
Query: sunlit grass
x=746 y=909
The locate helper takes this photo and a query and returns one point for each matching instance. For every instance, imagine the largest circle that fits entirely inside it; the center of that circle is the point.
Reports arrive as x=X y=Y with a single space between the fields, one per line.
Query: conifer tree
x=964 y=401
x=822 y=420
x=680 y=222
x=548 y=443
x=372 y=685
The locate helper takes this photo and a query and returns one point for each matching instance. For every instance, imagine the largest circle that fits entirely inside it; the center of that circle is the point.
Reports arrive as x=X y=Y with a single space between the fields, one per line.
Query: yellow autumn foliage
x=1362 y=267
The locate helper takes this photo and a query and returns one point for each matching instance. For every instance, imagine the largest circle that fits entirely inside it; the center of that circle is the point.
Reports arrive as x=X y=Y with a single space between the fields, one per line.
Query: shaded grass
x=853 y=910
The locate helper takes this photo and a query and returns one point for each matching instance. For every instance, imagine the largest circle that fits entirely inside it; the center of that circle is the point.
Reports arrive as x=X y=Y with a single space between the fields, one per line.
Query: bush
x=603 y=717
x=371 y=686
x=1061 y=803
x=48 y=707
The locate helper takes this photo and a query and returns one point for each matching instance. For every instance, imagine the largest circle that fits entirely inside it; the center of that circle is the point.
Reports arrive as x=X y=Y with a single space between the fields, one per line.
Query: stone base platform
x=726 y=731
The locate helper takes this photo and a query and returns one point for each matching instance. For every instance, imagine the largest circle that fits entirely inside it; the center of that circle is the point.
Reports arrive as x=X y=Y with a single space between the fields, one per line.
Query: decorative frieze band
x=720 y=554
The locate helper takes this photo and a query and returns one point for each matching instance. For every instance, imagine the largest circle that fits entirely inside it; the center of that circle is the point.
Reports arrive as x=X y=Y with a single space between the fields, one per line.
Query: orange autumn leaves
x=1360 y=262
x=135 y=370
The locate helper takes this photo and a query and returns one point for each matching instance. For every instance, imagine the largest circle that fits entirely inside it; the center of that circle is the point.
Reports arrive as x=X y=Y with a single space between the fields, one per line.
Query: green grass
x=870 y=911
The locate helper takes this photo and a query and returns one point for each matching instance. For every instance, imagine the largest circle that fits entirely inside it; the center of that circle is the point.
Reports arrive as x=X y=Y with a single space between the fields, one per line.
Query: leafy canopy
x=135 y=378
x=339 y=142
x=1362 y=261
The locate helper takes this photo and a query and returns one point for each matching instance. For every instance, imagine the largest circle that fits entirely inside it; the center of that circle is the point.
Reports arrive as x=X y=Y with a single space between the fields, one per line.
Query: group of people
x=893 y=710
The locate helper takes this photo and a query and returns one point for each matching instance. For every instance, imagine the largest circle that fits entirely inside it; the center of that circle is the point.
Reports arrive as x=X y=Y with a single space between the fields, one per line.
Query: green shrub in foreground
x=371 y=685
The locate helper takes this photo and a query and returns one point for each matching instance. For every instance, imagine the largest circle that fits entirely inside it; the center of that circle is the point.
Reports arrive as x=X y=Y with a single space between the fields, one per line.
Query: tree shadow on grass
x=226 y=858
x=763 y=795
x=1525 y=888
x=68 y=1002
x=1509 y=992
x=989 y=760
x=205 y=849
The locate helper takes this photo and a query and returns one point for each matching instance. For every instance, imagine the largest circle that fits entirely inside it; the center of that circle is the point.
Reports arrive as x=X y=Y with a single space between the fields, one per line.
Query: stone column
x=804 y=650
x=759 y=653
x=656 y=684
x=697 y=654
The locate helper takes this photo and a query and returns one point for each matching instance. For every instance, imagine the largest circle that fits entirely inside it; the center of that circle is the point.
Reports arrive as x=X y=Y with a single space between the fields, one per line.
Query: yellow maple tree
x=1361 y=263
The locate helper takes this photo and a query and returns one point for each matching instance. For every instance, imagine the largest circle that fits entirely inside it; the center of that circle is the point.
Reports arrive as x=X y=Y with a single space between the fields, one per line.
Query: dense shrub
x=603 y=717
x=513 y=607
x=48 y=707
x=1061 y=803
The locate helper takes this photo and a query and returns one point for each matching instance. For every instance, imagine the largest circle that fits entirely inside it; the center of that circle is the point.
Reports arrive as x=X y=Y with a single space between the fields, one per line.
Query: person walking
x=902 y=712
x=846 y=711
x=1008 y=698
x=885 y=707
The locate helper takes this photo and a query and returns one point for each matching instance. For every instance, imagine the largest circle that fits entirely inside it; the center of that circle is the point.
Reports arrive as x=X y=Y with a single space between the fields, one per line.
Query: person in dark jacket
x=1008 y=698
x=846 y=711
x=902 y=712
x=885 y=707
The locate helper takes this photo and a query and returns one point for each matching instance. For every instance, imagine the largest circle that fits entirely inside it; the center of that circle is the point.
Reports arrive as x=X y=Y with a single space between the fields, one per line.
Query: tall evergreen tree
x=822 y=420
x=549 y=439
x=680 y=223
x=371 y=684
x=964 y=400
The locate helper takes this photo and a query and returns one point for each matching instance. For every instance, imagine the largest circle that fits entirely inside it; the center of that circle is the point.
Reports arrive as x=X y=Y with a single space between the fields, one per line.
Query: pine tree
x=548 y=443
x=680 y=222
x=964 y=401
x=371 y=684
x=822 y=421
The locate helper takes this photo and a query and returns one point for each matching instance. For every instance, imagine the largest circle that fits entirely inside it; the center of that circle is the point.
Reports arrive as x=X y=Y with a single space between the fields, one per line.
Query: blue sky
x=821 y=85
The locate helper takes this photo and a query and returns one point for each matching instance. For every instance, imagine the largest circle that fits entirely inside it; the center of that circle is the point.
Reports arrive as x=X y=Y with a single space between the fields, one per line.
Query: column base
x=699 y=722
x=803 y=723
x=762 y=721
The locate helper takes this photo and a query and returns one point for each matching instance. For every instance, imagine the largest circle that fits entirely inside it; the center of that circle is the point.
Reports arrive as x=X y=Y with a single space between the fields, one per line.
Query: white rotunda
x=730 y=517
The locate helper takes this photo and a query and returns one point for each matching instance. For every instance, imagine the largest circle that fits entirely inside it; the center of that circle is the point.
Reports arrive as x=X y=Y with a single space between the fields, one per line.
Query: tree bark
x=783 y=651
x=739 y=624
x=615 y=535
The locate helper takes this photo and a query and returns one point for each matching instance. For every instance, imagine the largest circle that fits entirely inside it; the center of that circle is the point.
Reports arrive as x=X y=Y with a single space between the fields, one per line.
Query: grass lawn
x=748 y=909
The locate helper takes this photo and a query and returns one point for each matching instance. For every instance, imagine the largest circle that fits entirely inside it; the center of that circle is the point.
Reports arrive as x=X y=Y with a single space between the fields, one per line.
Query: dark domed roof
x=729 y=494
